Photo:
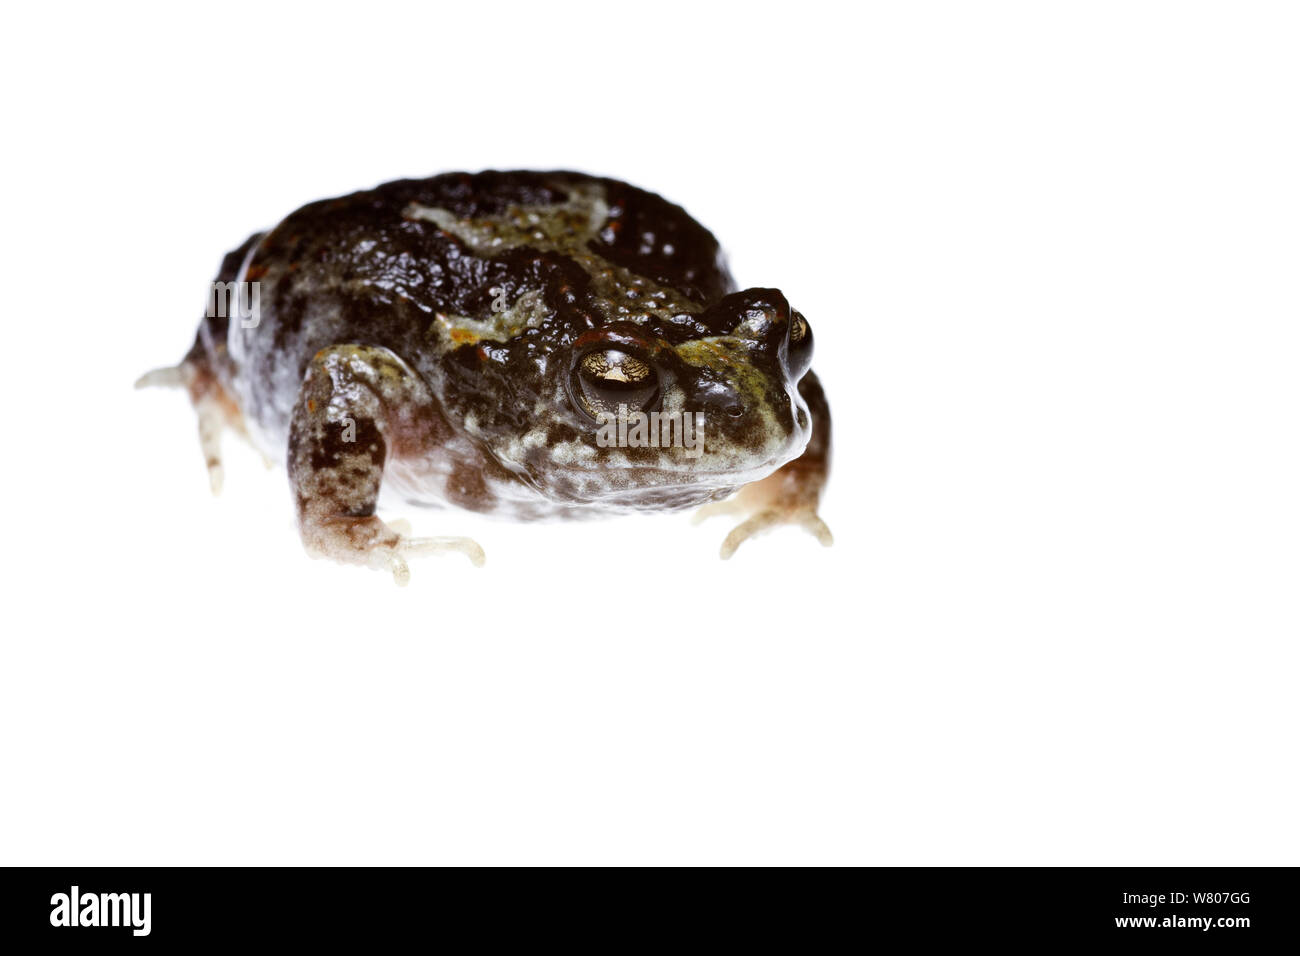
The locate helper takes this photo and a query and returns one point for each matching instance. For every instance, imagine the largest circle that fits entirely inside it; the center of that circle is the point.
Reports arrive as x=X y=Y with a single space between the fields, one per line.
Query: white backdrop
x=1049 y=252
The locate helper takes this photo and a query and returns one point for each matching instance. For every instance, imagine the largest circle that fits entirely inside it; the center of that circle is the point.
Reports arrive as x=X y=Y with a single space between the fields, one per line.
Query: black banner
x=94 y=908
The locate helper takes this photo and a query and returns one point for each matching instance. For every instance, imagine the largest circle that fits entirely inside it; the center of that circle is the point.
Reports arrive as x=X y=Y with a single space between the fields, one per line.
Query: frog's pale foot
x=377 y=545
x=434 y=545
x=776 y=500
x=769 y=518
x=393 y=557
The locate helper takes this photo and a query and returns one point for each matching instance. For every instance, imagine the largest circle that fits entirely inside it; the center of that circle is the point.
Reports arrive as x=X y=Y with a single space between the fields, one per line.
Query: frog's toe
x=211 y=422
x=173 y=376
x=391 y=560
x=216 y=476
x=392 y=557
x=815 y=526
x=746 y=530
x=437 y=545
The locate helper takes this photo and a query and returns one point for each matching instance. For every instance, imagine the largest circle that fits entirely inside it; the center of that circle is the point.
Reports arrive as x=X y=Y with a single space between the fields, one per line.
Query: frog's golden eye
x=608 y=378
x=799 y=352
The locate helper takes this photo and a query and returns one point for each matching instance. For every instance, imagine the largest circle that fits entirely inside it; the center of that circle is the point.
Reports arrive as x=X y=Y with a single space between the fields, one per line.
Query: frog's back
x=416 y=265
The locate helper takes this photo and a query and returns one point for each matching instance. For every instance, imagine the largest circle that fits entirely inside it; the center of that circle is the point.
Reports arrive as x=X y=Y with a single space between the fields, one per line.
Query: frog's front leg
x=791 y=494
x=359 y=407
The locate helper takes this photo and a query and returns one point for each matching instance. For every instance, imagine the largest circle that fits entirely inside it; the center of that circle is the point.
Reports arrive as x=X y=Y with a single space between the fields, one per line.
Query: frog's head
x=678 y=411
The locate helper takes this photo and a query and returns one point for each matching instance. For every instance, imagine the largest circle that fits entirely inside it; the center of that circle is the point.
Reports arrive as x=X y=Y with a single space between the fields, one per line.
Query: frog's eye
x=800 y=349
x=605 y=379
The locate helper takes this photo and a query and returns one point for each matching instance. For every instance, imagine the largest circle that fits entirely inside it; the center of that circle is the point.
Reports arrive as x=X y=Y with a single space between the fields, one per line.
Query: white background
x=1050 y=254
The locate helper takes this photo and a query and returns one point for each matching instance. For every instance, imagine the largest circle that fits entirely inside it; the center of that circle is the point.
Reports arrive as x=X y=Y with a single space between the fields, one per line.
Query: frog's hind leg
x=360 y=407
x=214 y=406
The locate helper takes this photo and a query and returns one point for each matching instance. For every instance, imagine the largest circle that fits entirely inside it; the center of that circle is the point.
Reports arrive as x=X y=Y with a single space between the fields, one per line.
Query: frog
x=527 y=344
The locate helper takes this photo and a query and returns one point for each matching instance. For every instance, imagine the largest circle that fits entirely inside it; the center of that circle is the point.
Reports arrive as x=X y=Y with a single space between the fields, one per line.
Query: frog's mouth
x=637 y=487
x=652 y=497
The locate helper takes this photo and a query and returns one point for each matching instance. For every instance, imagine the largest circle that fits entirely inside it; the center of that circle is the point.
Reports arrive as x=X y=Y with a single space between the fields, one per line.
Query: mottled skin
x=425 y=341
